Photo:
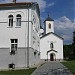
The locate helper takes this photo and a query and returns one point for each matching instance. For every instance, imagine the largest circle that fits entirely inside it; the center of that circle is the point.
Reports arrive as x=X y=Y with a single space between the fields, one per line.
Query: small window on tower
x=49 y=25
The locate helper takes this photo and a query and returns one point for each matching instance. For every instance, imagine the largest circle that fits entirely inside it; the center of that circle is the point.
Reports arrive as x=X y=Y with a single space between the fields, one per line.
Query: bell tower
x=48 y=25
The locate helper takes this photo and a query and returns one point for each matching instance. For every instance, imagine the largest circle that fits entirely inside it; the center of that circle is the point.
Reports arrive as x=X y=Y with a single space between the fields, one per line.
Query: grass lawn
x=18 y=72
x=70 y=65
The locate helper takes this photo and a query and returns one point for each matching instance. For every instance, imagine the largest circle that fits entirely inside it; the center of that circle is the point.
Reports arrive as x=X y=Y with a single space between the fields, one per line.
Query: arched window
x=10 y=20
x=51 y=45
x=18 y=20
x=49 y=25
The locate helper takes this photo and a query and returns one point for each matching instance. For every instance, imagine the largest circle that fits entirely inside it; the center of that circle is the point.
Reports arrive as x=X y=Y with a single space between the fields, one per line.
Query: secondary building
x=51 y=44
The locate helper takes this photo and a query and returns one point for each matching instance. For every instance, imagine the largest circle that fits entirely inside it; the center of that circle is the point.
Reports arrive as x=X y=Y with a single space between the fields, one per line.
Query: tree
x=72 y=56
x=67 y=51
x=73 y=44
x=73 y=38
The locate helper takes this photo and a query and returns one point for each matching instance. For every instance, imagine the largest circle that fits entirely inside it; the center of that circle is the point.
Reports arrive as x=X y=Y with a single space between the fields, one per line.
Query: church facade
x=51 y=45
x=19 y=34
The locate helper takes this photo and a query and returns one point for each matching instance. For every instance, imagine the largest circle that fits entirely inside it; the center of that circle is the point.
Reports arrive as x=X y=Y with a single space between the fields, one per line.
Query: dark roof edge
x=21 y=4
x=51 y=33
x=48 y=19
x=12 y=3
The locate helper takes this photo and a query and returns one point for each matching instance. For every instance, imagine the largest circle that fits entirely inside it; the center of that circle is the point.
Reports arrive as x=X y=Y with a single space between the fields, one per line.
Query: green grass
x=70 y=65
x=18 y=72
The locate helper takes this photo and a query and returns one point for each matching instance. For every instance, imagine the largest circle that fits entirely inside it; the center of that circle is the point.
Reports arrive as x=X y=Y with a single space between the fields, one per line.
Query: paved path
x=52 y=68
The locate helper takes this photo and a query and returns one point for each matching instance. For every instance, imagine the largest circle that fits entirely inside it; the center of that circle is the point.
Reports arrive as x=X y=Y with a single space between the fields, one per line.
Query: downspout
x=28 y=41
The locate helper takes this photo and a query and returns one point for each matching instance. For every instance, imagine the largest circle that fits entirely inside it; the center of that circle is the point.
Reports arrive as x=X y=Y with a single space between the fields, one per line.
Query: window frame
x=51 y=45
x=18 y=20
x=49 y=25
x=10 y=20
x=14 y=46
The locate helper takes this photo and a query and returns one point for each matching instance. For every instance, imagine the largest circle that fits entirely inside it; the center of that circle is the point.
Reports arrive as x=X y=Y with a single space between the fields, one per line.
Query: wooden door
x=51 y=57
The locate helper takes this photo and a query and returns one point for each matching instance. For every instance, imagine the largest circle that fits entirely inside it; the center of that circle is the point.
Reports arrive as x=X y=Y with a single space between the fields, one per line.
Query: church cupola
x=48 y=25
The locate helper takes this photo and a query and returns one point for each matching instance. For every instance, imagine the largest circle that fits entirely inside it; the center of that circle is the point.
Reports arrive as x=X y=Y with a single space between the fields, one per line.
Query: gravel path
x=52 y=68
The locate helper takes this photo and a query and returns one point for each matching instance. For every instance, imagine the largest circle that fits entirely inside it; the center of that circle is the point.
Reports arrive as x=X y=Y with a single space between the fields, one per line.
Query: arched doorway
x=52 y=57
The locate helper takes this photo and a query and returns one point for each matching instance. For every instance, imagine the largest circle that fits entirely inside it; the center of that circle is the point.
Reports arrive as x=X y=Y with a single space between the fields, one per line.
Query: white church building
x=51 y=45
x=19 y=34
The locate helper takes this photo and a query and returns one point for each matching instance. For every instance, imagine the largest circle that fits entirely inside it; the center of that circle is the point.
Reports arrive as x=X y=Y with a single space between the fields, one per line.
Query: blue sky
x=62 y=11
x=59 y=8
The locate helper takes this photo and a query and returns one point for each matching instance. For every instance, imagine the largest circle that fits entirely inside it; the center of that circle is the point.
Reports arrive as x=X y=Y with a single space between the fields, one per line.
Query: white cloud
x=74 y=25
x=64 y=27
x=66 y=37
x=42 y=3
x=64 y=23
x=51 y=4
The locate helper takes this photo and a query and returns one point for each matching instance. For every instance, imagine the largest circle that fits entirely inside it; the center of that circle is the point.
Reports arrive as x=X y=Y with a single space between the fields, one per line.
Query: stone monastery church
x=22 y=44
x=51 y=45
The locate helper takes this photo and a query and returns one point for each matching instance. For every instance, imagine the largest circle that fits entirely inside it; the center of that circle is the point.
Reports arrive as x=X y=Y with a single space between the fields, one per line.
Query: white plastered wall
x=45 y=46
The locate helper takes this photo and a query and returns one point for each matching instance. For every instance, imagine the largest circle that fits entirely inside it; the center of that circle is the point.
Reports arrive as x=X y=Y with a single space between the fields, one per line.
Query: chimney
x=14 y=1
